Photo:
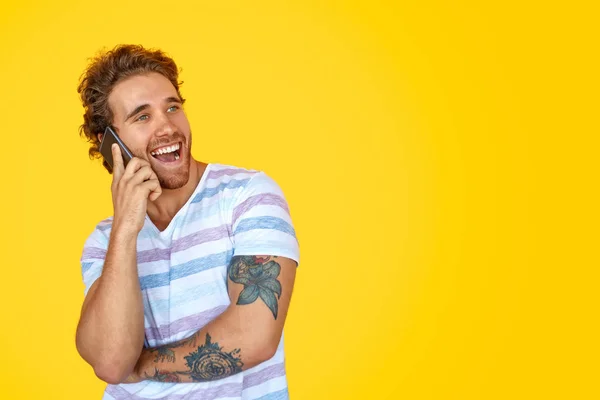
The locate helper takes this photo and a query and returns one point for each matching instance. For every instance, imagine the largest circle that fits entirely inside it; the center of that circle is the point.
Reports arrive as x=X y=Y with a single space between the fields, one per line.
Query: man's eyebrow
x=170 y=99
x=173 y=100
x=137 y=110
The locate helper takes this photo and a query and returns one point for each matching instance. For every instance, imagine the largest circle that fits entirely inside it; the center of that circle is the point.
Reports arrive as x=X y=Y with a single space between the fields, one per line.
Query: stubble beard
x=179 y=178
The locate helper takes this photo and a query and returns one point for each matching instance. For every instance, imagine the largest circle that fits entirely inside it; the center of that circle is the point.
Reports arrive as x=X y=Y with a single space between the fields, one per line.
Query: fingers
x=133 y=166
x=118 y=168
x=153 y=188
x=136 y=164
x=137 y=173
x=143 y=174
x=147 y=175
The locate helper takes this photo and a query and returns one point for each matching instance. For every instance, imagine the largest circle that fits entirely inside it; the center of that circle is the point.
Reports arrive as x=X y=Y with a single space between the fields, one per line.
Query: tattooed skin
x=163 y=376
x=210 y=362
x=163 y=354
x=258 y=275
x=166 y=353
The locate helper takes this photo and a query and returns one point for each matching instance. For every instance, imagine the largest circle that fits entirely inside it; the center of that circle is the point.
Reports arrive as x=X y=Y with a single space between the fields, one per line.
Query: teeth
x=168 y=149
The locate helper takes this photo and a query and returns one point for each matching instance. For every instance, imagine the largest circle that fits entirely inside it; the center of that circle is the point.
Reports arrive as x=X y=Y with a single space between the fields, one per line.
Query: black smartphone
x=110 y=137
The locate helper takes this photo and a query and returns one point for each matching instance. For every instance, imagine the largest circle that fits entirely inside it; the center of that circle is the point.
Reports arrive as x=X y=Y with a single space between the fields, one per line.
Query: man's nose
x=165 y=126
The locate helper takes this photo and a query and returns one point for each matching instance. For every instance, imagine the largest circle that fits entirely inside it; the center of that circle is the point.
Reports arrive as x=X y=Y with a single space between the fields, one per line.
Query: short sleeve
x=261 y=221
x=92 y=258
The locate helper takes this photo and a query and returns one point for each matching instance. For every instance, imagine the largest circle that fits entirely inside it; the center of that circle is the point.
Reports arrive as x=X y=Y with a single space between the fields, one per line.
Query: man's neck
x=162 y=211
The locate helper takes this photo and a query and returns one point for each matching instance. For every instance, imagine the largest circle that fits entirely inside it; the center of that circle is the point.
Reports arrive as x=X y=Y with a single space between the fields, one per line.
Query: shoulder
x=104 y=225
x=247 y=182
x=218 y=173
x=242 y=187
x=240 y=182
x=100 y=235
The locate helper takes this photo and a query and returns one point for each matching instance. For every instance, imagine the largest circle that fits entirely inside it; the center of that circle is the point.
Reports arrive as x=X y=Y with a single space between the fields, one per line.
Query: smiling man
x=188 y=284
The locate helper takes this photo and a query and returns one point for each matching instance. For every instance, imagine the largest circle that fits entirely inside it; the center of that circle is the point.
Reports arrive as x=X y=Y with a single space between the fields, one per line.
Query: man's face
x=148 y=117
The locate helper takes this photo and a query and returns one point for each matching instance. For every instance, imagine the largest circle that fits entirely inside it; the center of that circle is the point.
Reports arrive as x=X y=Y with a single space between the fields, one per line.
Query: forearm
x=217 y=351
x=245 y=335
x=110 y=334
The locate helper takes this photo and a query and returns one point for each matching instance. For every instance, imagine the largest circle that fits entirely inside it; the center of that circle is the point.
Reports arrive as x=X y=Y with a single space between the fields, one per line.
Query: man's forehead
x=140 y=89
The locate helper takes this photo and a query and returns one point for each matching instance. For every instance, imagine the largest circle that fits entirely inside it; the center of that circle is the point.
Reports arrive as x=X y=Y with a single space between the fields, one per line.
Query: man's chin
x=172 y=176
x=172 y=180
x=175 y=181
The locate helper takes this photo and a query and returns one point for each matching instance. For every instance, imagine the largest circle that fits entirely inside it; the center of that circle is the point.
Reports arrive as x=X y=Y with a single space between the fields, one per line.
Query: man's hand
x=131 y=189
x=110 y=333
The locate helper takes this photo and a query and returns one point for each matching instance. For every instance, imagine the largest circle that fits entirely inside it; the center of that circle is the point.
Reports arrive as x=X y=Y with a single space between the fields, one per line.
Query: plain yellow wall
x=412 y=141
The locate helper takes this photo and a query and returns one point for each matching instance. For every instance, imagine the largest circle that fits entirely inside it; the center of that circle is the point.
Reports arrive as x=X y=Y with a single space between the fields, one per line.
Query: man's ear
x=100 y=135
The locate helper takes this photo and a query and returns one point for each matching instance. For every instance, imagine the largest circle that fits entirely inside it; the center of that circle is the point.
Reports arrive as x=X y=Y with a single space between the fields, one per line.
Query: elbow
x=108 y=375
x=266 y=349
x=112 y=366
x=112 y=373
x=268 y=353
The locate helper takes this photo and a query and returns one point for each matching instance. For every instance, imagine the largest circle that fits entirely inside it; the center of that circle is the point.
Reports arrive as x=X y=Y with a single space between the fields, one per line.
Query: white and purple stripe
x=182 y=274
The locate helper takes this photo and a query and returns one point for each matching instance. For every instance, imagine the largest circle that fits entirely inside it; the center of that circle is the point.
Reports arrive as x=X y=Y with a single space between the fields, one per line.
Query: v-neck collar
x=168 y=231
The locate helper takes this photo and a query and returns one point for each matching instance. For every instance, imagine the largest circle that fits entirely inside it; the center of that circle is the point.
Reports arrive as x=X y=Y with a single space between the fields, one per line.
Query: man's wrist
x=123 y=235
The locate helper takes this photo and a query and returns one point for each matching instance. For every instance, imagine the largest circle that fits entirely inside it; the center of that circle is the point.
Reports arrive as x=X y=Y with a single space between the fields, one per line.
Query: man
x=188 y=284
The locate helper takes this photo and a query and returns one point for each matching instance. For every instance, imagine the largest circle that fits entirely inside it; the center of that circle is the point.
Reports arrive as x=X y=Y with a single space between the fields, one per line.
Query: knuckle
x=133 y=163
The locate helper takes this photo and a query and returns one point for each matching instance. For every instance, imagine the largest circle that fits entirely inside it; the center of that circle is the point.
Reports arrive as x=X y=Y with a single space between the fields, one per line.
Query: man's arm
x=110 y=334
x=245 y=335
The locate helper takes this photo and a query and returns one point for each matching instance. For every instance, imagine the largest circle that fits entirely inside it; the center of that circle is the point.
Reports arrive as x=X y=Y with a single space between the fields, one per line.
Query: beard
x=175 y=179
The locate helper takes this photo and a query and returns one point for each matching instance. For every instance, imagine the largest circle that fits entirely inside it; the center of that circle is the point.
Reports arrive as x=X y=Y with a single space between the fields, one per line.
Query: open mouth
x=167 y=154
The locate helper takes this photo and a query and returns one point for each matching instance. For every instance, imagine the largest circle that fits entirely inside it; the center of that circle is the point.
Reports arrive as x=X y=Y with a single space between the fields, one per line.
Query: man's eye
x=142 y=117
x=173 y=109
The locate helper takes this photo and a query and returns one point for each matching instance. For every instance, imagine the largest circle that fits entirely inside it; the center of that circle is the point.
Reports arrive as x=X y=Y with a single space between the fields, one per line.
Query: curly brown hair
x=102 y=74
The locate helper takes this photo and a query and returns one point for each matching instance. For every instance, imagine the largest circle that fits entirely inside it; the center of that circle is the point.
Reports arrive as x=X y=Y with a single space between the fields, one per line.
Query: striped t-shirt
x=183 y=271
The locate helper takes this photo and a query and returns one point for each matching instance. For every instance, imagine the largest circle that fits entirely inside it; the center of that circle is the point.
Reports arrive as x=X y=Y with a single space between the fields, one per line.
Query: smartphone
x=110 y=137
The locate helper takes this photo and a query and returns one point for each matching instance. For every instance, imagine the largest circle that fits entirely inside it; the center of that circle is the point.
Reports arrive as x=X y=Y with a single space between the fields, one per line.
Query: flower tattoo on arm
x=259 y=277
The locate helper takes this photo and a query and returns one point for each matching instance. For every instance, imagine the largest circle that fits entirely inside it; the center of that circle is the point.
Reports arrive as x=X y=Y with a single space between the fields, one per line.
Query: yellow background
x=436 y=155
